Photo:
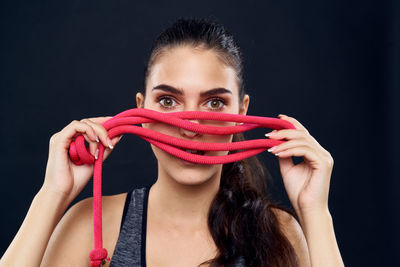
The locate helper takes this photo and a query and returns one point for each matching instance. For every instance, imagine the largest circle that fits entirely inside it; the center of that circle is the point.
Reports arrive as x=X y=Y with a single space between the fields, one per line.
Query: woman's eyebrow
x=171 y=89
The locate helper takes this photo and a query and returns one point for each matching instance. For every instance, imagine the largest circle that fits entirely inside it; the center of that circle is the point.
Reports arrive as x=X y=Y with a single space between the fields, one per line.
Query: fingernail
x=277 y=154
x=110 y=144
x=97 y=139
x=271 y=149
x=96 y=154
x=269 y=134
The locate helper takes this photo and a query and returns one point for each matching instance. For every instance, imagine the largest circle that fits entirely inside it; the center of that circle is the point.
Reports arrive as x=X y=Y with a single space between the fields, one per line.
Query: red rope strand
x=124 y=123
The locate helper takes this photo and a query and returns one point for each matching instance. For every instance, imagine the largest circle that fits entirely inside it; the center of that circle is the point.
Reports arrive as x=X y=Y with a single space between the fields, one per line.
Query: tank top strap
x=130 y=247
x=126 y=206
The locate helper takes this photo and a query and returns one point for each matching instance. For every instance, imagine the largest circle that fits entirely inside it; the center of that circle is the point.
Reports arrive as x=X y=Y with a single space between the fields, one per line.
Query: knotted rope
x=124 y=123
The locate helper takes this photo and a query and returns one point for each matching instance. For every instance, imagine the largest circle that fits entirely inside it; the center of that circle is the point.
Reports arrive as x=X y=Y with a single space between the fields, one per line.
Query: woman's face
x=189 y=79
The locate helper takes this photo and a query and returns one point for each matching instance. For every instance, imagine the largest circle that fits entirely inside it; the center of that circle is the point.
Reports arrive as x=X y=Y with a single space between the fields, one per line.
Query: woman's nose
x=188 y=133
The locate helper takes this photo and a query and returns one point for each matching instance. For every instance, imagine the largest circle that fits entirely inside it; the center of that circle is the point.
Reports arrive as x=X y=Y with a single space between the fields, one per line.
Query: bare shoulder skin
x=294 y=233
x=72 y=239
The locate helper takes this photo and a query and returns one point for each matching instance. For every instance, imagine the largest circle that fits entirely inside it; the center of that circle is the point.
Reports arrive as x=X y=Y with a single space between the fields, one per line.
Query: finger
x=302 y=151
x=286 y=145
x=291 y=134
x=88 y=139
x=92 y=146
x=292 y=120
x=100 y=120
x=286 y=133
x=114 y=141
x=100 y=131
x=285 y=164
x=74 y=128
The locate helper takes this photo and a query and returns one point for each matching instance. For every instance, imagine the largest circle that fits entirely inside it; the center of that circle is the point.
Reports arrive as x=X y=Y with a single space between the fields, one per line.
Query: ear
x=245 y=105
x=139 y=100
x=140 y=104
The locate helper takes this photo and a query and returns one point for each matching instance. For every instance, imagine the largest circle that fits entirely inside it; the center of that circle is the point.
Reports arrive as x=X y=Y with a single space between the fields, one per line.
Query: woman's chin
x=186 y=172
x=189 y=174
x=191 y=180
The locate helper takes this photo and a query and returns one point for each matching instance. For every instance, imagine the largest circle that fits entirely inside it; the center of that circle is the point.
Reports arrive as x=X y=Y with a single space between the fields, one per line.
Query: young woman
x=219 y=215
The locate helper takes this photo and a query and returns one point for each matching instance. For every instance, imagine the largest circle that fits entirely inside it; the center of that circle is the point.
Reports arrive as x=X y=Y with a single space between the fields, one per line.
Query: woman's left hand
x=307 y=183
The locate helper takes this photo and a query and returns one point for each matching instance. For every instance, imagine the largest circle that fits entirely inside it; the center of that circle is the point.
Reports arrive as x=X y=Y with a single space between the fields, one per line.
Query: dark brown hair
x=241 y=219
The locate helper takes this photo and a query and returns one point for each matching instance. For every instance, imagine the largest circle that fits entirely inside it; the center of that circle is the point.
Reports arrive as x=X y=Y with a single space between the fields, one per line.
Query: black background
x=333 y=65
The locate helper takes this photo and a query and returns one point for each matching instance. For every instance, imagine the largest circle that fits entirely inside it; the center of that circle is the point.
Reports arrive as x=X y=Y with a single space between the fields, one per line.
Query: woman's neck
x=182 y=206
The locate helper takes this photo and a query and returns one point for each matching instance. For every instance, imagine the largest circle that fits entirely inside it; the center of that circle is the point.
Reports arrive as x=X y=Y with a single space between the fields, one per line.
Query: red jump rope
x=124 y=123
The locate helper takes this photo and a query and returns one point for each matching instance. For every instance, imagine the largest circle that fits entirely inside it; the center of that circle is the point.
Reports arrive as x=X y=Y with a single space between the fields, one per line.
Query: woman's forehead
x=192 y=69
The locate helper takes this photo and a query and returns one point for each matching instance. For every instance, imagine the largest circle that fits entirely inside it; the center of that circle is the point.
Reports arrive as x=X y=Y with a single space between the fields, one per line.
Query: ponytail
x=241 y=220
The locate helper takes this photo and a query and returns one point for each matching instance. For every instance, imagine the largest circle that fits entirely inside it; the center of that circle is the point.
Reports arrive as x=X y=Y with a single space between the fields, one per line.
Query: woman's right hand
x=62 y=175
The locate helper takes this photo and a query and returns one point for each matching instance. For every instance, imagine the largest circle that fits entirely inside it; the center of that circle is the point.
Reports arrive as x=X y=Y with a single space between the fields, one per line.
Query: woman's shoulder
x=292 y=230
x=284 y=217
x=73 y=236
x=288 y=223
x=112 y=205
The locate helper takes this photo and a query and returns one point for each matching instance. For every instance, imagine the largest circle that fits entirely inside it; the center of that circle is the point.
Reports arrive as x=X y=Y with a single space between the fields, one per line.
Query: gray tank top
x=130 y=249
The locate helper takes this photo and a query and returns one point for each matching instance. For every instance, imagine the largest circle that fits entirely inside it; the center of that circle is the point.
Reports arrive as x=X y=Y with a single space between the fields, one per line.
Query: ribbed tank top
x=130 y=249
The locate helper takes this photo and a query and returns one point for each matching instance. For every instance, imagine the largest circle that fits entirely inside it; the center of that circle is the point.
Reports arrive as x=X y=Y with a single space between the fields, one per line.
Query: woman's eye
x=215 y=103
x=167 y=101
